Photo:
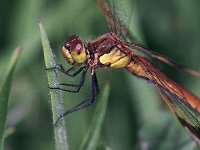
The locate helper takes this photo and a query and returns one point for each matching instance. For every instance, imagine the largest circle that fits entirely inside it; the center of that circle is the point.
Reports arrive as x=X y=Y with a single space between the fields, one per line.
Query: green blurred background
x=136 y=114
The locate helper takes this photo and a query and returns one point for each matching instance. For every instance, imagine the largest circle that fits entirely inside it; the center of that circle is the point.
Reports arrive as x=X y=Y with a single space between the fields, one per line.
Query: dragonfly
x=112 y=51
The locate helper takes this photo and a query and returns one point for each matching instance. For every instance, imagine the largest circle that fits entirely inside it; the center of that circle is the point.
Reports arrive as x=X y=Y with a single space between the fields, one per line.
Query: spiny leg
x=85 y=103
x=68 y=72
x=77 y=86
x=94 y=77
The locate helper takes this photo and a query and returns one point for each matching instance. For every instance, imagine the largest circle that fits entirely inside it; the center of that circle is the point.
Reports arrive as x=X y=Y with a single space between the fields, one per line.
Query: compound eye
x=66 y=53
x=67 y=46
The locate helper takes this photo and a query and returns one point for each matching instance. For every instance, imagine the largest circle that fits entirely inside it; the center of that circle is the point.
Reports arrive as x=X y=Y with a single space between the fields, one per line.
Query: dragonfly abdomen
x=141 y=67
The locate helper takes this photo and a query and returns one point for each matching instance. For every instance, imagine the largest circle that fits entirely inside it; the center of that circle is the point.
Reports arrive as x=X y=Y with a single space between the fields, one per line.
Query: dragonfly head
x=74 y=51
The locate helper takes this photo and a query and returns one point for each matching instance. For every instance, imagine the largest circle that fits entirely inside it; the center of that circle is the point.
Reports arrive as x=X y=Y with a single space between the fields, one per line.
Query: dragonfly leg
x=77 y=86
x=68 y=72
x=85 y=103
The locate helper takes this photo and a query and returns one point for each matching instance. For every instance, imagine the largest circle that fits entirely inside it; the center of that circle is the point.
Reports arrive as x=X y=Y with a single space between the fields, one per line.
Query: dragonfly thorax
x=108 y=51
x=115 y=59
x=74 y=51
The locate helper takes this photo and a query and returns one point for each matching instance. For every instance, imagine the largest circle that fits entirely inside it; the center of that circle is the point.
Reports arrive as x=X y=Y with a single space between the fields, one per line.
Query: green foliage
x=4 y=94
x=56 y=96
x=168 y=27
x=91 y=139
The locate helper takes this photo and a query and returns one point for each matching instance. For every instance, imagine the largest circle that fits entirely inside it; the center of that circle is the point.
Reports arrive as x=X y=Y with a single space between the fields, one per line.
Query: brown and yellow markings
x=115 y=59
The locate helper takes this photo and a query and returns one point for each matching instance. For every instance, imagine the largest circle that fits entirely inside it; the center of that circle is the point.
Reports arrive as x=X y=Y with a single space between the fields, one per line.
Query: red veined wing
x=188 y=116
x=181 y=102
x=121 y=28
x=115 y=23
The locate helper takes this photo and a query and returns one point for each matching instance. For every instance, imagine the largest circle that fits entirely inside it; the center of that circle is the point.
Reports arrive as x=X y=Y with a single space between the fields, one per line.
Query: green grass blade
x=60 y=132
x=91 y=139
x=4 y=94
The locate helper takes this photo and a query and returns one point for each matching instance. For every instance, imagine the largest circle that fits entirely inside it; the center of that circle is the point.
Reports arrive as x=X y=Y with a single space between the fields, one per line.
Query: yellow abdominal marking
x=116 y=59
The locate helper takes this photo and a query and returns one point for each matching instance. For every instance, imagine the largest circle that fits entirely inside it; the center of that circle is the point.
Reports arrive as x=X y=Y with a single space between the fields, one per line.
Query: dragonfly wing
x=188 y=116
x=117 y=20
x=176 y=97
x=181 y=102
x=164 y=59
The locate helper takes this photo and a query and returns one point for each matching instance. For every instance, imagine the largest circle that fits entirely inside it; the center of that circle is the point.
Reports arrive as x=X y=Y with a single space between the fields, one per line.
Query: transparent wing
x=178 y=99
x=118 y=18
x=118 y=15
x=189 y=117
